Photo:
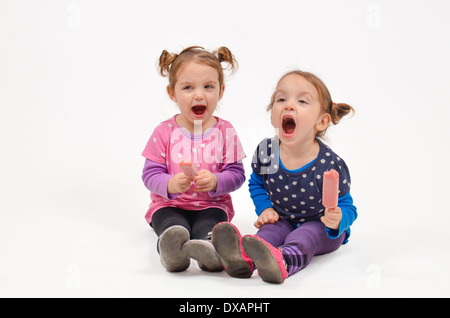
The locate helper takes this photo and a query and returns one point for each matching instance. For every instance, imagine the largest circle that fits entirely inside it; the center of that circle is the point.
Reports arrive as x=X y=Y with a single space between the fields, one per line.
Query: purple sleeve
x=156 y=178
x=230 y=179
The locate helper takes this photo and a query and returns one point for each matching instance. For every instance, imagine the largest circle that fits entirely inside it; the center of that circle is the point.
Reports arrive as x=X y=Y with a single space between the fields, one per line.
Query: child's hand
x=269 y=215
x=332 y=218
x=205 y=181
x=179 y=183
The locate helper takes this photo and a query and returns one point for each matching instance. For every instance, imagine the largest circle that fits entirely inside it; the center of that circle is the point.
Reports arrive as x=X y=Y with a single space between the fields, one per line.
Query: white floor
x=99 y=249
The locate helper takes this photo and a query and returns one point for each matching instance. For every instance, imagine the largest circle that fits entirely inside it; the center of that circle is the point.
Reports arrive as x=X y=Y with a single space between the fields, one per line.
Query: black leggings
x=198 y=223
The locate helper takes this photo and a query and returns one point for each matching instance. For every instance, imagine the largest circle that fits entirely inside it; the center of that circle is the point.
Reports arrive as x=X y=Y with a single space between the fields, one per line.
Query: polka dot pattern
x=297 y=195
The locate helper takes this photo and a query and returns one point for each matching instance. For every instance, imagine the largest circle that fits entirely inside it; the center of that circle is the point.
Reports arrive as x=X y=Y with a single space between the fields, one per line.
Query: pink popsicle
x=189 y=169
x=330 y=189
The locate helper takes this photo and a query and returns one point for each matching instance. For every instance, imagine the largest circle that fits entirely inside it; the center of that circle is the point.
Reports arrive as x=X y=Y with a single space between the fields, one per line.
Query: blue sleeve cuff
x=258 y=193
x=349 y=215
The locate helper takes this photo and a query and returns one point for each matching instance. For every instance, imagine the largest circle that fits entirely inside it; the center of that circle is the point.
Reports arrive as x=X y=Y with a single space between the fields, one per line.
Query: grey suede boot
x=170 y=246
x=204 y=253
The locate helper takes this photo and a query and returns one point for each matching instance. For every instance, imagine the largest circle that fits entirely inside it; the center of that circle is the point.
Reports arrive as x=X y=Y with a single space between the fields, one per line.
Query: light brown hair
x=336 y=110
x=170 y=63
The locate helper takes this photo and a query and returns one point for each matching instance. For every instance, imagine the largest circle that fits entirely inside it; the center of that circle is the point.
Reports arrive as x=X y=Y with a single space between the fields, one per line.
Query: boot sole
x=204 y=253
x=225 y=239
x=170 y=243
x=267 y=265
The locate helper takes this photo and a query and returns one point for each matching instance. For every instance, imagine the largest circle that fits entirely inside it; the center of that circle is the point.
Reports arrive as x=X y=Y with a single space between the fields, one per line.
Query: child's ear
x=222 y=90
x=171 y=93
x=323 y=122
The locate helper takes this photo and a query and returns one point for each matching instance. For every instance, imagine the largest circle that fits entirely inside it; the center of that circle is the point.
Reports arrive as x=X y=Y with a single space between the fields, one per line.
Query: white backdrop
x=80 y=96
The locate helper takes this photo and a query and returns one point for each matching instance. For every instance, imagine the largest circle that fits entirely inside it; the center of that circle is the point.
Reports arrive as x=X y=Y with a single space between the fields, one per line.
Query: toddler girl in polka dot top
x=184 y=208
x=286 y=187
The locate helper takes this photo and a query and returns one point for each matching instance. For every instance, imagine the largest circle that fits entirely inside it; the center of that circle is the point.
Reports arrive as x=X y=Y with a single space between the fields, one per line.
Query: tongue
x=198 y=110
x=289 y=127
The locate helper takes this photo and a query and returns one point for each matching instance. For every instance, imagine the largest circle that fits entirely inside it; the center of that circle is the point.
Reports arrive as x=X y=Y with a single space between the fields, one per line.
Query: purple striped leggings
x=299 y=245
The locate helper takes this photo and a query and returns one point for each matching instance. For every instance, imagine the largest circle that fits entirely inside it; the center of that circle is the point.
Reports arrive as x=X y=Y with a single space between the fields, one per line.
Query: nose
x=289 y=105
x=199 y=94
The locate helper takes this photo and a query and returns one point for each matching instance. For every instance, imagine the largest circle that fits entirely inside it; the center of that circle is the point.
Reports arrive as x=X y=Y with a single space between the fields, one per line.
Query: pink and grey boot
x=268 y=259
x=227 y=241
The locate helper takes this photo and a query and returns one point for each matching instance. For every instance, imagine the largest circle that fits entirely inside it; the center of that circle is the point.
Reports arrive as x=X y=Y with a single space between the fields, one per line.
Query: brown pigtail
x=165 y=60
x=224 y=55
x=339 y=110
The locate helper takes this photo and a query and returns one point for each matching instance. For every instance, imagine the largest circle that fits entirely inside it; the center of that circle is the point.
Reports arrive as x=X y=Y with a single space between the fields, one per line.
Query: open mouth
x=199 y=110
x=288 y=125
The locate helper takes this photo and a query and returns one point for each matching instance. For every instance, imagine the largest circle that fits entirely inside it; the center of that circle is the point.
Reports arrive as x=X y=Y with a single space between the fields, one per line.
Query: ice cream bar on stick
x=330 y=189
x=189 y=169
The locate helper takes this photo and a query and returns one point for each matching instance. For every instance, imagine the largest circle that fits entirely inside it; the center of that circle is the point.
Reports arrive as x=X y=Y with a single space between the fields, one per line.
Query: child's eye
x=209 y=86
x=281 y=99
x=187 y=87
x=301 y=101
